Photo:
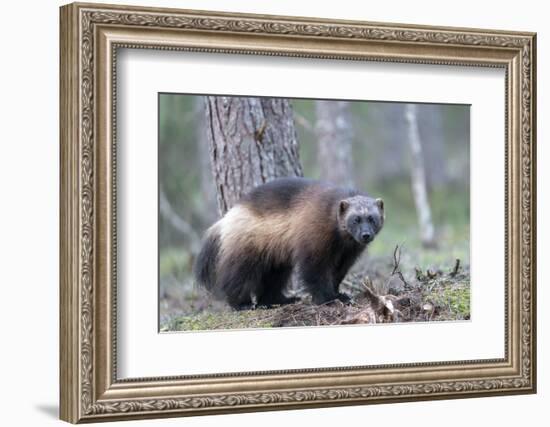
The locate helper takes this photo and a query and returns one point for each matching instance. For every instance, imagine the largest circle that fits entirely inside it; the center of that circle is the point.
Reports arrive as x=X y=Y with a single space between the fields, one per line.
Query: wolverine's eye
x=370 y=219
x=357 y=219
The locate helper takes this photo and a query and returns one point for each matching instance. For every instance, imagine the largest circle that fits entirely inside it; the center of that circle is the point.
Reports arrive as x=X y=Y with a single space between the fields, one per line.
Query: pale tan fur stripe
x=241 y=229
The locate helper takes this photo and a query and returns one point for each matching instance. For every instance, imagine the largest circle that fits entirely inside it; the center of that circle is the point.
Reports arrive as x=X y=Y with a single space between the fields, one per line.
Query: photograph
x=287 y=212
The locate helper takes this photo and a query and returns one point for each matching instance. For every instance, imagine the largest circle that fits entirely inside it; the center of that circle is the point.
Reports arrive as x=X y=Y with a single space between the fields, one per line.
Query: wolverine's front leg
x=340 y=272
x=319 y=281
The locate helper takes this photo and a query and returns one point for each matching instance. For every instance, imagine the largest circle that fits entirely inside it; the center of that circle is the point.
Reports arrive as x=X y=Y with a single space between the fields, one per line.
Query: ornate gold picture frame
x=90 y=37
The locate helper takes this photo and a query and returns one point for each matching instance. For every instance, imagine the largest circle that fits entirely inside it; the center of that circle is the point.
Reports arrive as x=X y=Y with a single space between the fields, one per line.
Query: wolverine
x=289 y=225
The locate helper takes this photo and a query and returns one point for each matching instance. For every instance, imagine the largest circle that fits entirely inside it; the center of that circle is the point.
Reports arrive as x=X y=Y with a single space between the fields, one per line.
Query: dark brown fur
x=287 y=225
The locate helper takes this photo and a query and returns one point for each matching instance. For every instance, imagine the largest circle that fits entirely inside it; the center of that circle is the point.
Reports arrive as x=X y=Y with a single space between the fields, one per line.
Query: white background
x=29 y=176
x=141 y=347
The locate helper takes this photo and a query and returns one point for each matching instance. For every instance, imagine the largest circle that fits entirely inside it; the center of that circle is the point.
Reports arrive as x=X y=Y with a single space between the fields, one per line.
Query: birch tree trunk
x=252 y=141
x=432 y=135
x=334 y=131
x=418 y=179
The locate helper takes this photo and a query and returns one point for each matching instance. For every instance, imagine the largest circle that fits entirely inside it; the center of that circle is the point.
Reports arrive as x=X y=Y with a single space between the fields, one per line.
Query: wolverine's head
x=361 y=217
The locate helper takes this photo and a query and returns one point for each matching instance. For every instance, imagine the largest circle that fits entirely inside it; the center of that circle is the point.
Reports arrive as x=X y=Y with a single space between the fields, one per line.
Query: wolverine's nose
x=366 y=237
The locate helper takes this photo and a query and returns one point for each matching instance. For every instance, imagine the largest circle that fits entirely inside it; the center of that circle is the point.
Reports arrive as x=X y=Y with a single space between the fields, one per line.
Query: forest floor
x=381 y=290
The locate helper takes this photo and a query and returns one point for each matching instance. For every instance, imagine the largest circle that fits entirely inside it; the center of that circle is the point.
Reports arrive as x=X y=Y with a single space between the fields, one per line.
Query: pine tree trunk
x=334 y=131
x=418 y=179
x=252 y=141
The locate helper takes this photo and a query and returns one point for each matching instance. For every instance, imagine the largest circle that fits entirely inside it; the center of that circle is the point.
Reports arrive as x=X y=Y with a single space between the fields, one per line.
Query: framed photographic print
x=266 y=212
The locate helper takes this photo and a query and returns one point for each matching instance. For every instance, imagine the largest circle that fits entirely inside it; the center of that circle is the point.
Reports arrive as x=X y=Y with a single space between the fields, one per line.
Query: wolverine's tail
x=204 y=268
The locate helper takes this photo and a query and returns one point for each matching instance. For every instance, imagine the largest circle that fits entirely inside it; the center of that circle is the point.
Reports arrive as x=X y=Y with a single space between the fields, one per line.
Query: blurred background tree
x=415 y=156
x=418 y=178
x=334 y=130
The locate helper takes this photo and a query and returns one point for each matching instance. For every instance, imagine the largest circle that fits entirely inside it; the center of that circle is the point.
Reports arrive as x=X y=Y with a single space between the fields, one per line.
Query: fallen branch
x=396 y=270
x=305 y=123
x=178 y=223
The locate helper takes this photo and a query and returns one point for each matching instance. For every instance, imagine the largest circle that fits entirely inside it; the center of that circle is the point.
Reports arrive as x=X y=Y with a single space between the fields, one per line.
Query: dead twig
x=456 y=268
x=396 y=259
x=396 y=269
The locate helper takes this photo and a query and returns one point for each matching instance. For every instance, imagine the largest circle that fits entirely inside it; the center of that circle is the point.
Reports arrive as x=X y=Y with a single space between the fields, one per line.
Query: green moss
x=451 y=299
x=225 y=320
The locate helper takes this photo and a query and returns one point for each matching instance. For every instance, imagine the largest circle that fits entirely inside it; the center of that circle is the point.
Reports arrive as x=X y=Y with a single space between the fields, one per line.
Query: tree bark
x=334 y=131
x=252 y=141
x=418 y=179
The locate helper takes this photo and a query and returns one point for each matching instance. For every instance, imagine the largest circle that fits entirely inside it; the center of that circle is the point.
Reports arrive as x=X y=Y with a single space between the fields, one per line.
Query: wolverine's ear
x=344 y=205
x=380 y=204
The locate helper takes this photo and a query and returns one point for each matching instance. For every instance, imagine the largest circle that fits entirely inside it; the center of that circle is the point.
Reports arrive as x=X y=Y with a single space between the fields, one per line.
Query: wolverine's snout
x=366 y=237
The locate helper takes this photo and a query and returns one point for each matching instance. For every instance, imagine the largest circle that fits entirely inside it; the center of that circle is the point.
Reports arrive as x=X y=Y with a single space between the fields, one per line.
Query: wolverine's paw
x=245 y=306
x=344 y=298
x=339 y=298
x=289 y=300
